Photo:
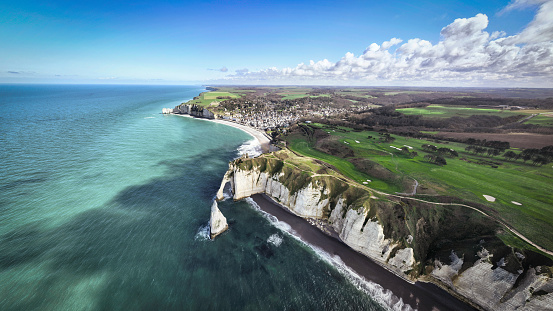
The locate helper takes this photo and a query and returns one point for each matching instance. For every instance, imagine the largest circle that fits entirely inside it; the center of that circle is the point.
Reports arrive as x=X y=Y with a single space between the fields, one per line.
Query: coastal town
x=267 y=114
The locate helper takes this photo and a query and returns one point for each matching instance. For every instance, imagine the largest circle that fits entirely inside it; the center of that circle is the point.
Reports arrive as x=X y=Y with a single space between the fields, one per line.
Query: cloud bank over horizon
x=466 y=55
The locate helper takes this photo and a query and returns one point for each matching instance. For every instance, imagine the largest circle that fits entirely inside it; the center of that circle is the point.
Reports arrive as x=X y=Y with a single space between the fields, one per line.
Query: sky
x=493 y=43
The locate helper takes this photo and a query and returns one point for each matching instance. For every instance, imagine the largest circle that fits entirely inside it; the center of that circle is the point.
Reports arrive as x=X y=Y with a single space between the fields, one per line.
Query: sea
x=105 y=204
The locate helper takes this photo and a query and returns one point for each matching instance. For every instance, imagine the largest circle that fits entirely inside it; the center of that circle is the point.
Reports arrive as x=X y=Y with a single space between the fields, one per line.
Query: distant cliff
x=193 y=110
x=452 y=246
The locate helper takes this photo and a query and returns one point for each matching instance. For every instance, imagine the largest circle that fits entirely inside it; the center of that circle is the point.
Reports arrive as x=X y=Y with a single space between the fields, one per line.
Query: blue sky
x=207 y=42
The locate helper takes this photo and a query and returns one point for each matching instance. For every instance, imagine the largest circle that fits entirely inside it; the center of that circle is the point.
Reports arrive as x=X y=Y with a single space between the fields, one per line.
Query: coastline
x=418 y=295
x=262 y=138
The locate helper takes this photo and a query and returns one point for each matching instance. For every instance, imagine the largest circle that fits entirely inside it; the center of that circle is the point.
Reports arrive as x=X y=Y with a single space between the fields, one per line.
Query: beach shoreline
x=419 y=295
x=262 y=138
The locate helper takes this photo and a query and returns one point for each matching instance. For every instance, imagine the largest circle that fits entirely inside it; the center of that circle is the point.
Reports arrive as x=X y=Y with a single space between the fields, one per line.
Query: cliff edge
x=452 y=246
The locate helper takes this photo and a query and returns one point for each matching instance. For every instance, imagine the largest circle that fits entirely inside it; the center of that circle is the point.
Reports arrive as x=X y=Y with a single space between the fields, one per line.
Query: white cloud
x=522 y=4
x=465 y=55
x=242 y=71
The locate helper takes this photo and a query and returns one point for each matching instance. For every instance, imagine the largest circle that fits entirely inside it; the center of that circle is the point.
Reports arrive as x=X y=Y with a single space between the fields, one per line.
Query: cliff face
x=194 y=110
x=313 y=200
x=407 y=239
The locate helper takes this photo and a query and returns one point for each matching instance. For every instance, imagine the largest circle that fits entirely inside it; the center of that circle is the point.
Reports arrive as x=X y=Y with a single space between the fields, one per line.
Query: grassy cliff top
x=436 y=229
x=520 y=189
x=211 y=99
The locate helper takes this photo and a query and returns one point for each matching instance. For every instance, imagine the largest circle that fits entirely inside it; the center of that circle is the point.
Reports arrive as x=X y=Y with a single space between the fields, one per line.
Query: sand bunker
x=489 y=198
x=516 y=203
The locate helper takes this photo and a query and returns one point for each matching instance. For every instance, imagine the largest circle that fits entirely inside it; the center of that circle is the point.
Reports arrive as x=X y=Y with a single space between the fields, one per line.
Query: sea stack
x=218 y=222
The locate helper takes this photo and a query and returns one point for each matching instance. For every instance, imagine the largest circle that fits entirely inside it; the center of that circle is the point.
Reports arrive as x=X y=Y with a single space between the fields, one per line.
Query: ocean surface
x=105 y=203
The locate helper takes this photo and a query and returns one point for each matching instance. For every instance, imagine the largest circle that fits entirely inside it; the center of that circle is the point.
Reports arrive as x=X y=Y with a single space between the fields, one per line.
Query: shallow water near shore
x=104 y=204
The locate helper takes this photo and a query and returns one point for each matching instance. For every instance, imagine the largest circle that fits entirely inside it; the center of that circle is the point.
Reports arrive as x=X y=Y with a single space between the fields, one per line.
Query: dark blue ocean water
x=104 y=204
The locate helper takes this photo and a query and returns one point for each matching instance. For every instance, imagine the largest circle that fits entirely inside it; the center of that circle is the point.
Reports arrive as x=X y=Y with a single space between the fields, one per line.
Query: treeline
x=481 y=150
x=496 y=144
x=537 y=156
x=387 y=116
x=538 y=103
x=441 y=151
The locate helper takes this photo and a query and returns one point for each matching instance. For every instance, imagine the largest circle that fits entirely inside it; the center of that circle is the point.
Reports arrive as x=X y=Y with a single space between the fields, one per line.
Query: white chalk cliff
x=489 y=287
x=217 y=222
x=310 y=202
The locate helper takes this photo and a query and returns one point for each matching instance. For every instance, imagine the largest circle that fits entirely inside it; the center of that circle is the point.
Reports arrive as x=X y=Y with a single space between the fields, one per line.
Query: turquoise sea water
x=104 y=205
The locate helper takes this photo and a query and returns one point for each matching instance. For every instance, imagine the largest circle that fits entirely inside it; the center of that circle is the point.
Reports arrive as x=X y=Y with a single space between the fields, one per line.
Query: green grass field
x=456 y=111
x=214 y=95
x=210 y=98
x=301 y=95
x=511 y=181
x=544 y=119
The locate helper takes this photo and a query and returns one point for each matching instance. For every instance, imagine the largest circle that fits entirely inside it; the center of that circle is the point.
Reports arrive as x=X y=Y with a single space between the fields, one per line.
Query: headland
x=467 y=251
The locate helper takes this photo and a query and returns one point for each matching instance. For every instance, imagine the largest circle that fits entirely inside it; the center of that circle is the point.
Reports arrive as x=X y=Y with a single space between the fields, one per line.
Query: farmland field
x=456 y=111
x=517 y=140
x=543 y=119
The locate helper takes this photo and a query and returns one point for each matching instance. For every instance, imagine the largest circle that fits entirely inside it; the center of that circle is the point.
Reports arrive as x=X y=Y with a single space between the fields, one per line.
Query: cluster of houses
x=263 y=115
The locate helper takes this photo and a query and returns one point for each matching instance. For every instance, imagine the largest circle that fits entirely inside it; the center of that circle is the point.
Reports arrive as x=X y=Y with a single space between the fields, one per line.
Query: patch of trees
x=409 y=153
x=541 y=103
x=413 y=105
x=496 y=144
x=537 y=156
x=387 y=116
x=386 y=137
x=441 y=151
x=481 y=150
x=334 y=123
x=436 y=159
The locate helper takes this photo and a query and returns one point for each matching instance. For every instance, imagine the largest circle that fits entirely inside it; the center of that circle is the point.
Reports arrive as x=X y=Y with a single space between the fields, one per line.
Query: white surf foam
x=384 y=297
x=203 y=233
x=252 y=148
x=227 y=195
x=275 y=239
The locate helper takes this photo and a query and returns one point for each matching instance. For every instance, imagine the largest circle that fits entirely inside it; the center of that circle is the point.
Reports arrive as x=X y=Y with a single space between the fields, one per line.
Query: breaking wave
x=384 y=297
x=275 y=239
x=203 y=233
x=252 y=148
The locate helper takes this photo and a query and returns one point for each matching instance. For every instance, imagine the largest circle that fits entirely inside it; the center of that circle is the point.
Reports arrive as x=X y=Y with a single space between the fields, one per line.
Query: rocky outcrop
x=443 y=245
x=217 y=222
x=493 y=287
x=194 y=110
